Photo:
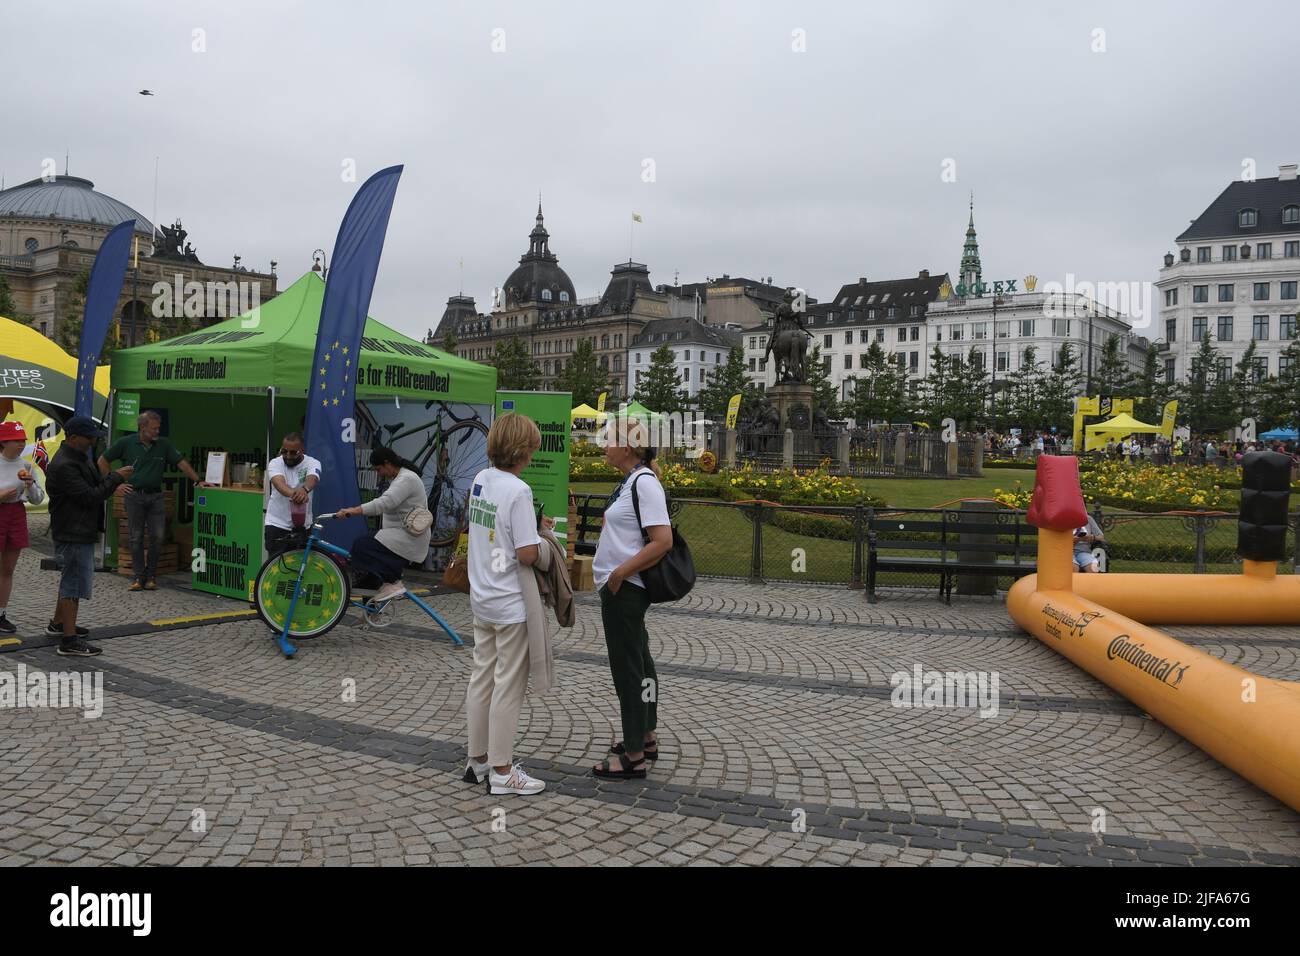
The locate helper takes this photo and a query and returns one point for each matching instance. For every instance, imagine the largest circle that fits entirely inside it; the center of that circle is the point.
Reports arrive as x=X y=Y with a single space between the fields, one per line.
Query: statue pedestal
x=788 y=394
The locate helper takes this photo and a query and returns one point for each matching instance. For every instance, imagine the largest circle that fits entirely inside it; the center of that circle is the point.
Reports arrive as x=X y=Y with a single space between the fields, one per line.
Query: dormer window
x=1290 y=215
x=564 y=297
x=546 y=295
x=1248 y=218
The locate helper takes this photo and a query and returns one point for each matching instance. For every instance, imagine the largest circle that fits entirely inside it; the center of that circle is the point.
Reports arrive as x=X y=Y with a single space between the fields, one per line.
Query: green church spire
x=971 y=273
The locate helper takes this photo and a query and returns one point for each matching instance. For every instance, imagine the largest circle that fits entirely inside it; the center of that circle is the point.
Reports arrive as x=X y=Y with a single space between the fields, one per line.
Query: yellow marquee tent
x=1118 y=427
x=586 y=411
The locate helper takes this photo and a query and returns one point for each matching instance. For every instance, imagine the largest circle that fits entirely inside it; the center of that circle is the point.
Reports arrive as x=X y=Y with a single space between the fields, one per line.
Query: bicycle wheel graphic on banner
x=322 y=601
x=461 y=456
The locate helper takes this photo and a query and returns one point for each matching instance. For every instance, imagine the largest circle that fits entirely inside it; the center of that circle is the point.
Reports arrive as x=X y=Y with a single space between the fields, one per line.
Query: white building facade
x=1235 y=278
x=697 y=349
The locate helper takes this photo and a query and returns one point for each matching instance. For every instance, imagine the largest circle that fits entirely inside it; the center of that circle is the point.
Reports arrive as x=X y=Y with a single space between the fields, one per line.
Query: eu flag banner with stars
x=106 y=277
x=331 y=398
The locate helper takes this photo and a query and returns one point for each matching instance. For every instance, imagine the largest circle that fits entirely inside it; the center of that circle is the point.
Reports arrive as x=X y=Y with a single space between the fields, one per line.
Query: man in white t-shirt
x=294 y=476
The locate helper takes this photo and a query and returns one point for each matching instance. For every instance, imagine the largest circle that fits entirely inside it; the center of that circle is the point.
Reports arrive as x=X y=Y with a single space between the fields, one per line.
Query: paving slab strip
x=856 y=824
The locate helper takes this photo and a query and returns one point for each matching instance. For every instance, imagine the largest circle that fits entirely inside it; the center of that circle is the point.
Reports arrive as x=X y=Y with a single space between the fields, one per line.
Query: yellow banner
x=1168 y=418
x=600 y=402
x=733 y=409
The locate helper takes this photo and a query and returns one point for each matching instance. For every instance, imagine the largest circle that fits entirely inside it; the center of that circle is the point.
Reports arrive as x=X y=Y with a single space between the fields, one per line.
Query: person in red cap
x=17 y=485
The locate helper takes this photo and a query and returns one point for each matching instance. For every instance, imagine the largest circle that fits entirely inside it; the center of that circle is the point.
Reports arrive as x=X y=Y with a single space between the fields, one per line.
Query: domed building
x=538 y=280
x=51 y=229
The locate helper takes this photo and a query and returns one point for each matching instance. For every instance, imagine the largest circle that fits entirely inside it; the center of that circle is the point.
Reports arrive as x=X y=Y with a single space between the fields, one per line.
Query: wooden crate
x=168 y=555
x=119 y=509
x=580 y=576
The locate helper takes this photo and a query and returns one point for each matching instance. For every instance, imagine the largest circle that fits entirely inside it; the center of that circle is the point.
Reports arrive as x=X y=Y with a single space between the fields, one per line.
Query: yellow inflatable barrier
x=1247 y=722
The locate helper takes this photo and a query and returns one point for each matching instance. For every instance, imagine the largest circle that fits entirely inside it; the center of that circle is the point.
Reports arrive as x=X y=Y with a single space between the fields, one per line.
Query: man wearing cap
x=17 y=485
x=145 y=507
x=77 y=494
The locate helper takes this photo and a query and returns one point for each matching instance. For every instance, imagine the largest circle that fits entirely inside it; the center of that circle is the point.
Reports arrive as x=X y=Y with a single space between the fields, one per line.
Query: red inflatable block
x=1058 y=503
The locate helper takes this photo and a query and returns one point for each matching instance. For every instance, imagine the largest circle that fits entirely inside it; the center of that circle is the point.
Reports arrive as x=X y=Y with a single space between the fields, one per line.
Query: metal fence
x=762 y=543
x=875 y=452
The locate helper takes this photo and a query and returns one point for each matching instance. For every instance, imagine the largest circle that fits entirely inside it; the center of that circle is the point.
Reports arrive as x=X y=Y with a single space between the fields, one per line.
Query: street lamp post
x=993 y=382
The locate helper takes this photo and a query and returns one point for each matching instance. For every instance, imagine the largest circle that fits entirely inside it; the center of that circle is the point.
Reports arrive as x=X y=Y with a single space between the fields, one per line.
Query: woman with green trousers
x=621 y=554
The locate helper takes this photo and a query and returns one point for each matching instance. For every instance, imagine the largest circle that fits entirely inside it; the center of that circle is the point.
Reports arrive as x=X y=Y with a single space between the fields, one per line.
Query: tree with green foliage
x=449 y=342
x=1279 y=402
x=514 y=364
x=1113 y=375
x=1056 y=394
x=72 y=318
x=1149 y=389
x=583 y=376
x=1208 y=403
x=723 y=381
x=876 y=389
x=1024 y=390
x=1246 y=387
x=660 y=388
x=819 y=377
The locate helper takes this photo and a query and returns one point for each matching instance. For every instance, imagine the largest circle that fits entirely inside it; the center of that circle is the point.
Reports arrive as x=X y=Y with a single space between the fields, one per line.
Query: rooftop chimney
x=1286 y=173
x=862 y=280
x=924 y=274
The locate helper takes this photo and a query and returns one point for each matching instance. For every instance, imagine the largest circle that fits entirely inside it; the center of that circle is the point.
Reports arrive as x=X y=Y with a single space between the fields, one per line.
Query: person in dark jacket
x=77 y=494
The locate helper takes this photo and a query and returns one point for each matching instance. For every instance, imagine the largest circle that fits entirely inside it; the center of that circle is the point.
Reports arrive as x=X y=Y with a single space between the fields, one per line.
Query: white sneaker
x=388 y=591
x=517 y=781
x=476 y=772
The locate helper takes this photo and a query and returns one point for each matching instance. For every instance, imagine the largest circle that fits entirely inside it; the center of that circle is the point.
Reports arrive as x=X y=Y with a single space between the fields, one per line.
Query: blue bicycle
x=305 y=591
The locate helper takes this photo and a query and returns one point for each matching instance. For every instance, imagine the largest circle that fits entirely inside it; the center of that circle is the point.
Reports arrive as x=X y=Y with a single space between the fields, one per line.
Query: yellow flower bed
x=1145 y=486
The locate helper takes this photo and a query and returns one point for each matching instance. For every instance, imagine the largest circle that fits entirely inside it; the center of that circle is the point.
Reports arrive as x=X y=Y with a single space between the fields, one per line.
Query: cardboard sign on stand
x=218 y=472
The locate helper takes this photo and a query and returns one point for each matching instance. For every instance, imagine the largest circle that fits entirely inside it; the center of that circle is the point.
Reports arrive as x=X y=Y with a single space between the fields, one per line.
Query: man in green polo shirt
x=144 y=504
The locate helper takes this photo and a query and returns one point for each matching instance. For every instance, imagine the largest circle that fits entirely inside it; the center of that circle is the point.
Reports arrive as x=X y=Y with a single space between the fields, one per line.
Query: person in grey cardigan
x=386 y=552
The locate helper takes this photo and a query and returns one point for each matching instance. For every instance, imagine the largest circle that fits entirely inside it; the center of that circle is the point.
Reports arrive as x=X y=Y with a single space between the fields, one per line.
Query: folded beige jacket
x=545 y=584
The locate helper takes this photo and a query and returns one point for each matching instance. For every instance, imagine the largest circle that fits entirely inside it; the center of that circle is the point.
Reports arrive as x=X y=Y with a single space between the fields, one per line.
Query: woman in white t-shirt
x=621 y=553
x=502 y=536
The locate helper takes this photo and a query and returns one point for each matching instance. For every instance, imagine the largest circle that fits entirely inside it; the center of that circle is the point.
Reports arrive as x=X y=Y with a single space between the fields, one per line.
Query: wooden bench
x=589 y=510
x=1014 y=546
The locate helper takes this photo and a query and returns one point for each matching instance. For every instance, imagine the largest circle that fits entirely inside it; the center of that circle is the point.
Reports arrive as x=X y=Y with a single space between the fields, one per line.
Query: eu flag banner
x=105 y=285
x=331 y=397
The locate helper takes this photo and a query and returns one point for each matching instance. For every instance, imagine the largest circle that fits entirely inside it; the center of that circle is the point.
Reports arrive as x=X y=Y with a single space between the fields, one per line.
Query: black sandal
x=650 y=750
x=630 y=769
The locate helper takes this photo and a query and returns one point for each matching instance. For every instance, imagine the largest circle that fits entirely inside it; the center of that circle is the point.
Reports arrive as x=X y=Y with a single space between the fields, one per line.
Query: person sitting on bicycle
x=386 y=552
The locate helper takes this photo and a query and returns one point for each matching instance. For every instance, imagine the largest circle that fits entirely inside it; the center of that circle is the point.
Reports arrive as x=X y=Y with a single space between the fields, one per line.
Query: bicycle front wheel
x=466 y=444
x=322 y=596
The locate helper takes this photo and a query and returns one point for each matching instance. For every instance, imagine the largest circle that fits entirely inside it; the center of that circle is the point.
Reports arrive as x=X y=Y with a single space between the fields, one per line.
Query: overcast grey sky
x=813 y=167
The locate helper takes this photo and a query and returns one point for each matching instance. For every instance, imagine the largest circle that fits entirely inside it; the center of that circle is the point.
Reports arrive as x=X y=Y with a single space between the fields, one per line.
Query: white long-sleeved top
x=9 y=480
x=405 y=493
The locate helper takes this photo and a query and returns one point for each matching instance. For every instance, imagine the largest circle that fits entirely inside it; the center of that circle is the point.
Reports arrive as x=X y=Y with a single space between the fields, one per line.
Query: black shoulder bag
x=672 y=578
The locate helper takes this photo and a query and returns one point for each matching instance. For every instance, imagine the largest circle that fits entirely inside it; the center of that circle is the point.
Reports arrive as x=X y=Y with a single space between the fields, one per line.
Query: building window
x=913 y=362
x=1225 y=328
x=853 y=316
x=1259 y=328
x=862 y=360
x=717 y=358
x=1002 y=361
x=1225 y=368
x=848 y=360
x=871 y=313
x=914 y=311
x=1026 y=328
x=1202 y=253
x=978 y=330
x=1259 y=369
x=955 y=333
x=762 y=365
x=31 y=245
x=686 y=374
x=1286 y=327
x=752 y=362
x=1291 y=249
x=1004 y=330
x=1287 y=290
x=1290 y=215
x=1248 y=218
x=916 y=333
x=1283 y=365
x=826 y=341
x=618 y=341
x=1225 y=291
x=891 y=313
x=902 y=334
x=1199 y=323
x=638 y=358
x=1169 y=371
x=546 y=295
x=1171 y=296
x=1061 y=327
x=753 y=341
x=1264 y=250
x=1200 y=293
x=1229 y=253
x=618 y=363
x=1171 y=331
x=848 y=336
x=880 y=335
x=1261 y=291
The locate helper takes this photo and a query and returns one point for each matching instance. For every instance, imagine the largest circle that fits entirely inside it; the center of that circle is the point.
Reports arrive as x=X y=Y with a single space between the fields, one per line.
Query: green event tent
x=273 y=347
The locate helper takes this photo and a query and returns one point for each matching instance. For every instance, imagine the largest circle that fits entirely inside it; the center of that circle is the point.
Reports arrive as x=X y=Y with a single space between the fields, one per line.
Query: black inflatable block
x=1264 y=507
x=1266 y=471
x=1256 y=542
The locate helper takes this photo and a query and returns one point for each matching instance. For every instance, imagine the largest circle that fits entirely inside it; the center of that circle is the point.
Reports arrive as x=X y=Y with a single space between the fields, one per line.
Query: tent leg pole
x=108 y=503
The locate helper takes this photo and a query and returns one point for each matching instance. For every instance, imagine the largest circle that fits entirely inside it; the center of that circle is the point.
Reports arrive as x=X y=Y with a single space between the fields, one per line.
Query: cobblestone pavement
x=775 y=712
